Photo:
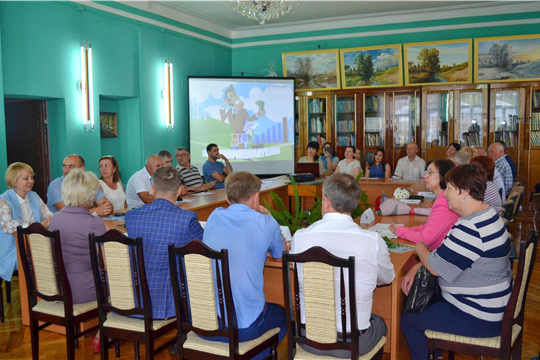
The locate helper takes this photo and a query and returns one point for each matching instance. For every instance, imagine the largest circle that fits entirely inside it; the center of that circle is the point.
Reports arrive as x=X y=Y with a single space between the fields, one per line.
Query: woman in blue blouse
x=378 y=167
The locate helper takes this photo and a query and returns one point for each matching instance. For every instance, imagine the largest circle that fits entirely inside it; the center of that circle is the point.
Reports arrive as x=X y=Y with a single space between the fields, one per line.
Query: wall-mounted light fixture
x=86 y=86
x=167 y=94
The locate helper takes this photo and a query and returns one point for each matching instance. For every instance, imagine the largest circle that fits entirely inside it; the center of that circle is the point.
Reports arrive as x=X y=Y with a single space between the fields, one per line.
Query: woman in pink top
x=441 y=218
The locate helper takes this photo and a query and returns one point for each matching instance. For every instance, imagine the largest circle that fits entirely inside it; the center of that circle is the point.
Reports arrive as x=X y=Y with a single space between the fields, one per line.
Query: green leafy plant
x=392 y=244
x=298 y=218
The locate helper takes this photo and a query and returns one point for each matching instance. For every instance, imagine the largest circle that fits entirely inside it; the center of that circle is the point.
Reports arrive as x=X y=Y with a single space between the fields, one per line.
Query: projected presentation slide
x=250 y=119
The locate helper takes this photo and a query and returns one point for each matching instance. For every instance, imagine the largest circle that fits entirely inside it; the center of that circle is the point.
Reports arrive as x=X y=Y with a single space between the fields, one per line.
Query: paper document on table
x=115 y=218
x=427 y=194
x=203 y=194
x=400 y=249
x=382 y=229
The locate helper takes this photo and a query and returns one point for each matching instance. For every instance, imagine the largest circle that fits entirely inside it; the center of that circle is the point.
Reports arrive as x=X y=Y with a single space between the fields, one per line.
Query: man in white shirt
x=139 y=187
x=411 y=167
x=342 y=237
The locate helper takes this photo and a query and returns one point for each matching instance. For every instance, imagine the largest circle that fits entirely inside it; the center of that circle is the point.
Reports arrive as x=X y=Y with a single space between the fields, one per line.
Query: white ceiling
x=217 y=11
x=216 y=17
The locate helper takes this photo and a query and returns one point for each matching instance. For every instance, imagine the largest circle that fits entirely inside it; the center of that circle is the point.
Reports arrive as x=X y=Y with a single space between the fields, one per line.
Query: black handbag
x=424 y=292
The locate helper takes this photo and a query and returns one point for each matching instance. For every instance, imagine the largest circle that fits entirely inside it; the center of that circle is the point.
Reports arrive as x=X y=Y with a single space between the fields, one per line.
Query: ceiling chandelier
x=261 y=10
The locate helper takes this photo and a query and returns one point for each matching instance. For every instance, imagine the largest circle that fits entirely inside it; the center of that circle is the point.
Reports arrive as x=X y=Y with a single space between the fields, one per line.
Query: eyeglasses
x=430 y=172
x=182 y=155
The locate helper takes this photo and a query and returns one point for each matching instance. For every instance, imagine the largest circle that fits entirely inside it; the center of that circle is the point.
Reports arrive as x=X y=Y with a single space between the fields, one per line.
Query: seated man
x=139 y=187
x=214 y=170
x=166 y=157
x=342 y=237
x=509 y=160
x=248 y=232
x=411 y=167
x=496 y=152
x=159 y=224
x=54 y=193
x=190 y=174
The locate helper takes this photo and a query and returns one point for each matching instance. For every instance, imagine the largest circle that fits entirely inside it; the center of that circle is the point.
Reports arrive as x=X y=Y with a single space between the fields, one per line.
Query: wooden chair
x=509 y=343
x=517 y=194
x=192 y=273
x=319 y=306
x=46 y=278
x=8 y=294
x=120 y=285
x=507 y=209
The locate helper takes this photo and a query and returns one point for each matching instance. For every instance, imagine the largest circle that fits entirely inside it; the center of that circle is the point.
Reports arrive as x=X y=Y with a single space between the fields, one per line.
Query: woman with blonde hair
x=75 y=222
x=470 y=150
x=19 y=206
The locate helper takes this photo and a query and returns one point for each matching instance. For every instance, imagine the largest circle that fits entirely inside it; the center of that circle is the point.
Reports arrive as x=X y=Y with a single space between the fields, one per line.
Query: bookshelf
x=374 y=121
x=404 y=113
x=471 y=116
x=317 y=120
x=507 y=113
x=345 y=115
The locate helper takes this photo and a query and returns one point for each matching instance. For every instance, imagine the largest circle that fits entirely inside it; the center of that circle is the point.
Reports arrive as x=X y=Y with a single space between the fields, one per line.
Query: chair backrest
x=508 y=208
x=43 y=265
x=120 y=276
x=318 y=277
x=515 y=309
x=194 y=267
x=519 y=191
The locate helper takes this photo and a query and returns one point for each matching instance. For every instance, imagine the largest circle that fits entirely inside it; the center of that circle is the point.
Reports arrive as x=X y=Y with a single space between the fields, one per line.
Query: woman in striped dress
x=472 y=264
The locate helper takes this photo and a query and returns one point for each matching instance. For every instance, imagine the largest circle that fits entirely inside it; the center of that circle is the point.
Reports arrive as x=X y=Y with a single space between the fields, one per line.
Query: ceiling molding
x=395 y=17
x=390 y=32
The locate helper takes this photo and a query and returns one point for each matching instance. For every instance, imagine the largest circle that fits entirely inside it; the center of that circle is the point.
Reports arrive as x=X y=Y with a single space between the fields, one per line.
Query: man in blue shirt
x=54 y=193
x=159 y=224
x=508 y=160
x=496 y=152
x=248 y=232
x=216 y=171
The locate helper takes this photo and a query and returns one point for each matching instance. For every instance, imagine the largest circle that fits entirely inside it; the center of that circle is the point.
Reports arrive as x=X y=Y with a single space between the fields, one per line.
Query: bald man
x=139 y=187
x=411 y=167
x=496 y=152
x=54 y=194
x=480 y=151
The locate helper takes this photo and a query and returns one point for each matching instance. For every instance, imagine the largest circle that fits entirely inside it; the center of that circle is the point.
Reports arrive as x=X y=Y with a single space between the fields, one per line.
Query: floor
x=15 y=338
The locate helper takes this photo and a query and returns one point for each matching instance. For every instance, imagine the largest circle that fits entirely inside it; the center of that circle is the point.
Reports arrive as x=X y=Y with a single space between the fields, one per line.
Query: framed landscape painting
x=374 y=66
x=509 y=58
x=313 y=70
x=108 y=125
x=437 y=63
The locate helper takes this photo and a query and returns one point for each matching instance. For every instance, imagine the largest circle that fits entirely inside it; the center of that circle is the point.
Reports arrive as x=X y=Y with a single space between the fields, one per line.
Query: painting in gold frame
x=438 y=63
x=371 y=67
x=507 y=59
x=108 y=125
x=314 y=70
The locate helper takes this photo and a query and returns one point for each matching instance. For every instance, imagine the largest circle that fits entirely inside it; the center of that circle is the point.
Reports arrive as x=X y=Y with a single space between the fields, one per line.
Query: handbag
x=424 y=292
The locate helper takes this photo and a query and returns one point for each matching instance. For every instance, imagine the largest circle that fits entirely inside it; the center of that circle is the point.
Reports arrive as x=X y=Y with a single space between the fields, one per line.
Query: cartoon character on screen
x=237 y=116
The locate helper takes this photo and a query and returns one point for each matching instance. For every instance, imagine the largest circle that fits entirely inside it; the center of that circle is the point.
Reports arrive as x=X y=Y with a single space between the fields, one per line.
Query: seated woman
x=472 y=264
x=19 y=206
x=452 y=148
x=349 y=165
x=75 y=222
x=329 y=160
x=110 y=182
x=358 y=155
x=492 y=196
x=379 y=168
x=312 y=157
x=440 y=218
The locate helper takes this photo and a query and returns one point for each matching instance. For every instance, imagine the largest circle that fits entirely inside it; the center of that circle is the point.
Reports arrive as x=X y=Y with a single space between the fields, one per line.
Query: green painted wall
x=3 y=151
x=40 y=59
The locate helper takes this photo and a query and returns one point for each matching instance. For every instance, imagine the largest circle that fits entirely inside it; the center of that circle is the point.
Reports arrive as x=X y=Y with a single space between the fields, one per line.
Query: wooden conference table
x=387 y=301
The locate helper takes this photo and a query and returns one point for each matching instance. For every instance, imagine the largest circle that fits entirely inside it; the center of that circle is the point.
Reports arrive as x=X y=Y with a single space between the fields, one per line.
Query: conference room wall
x=40 y=60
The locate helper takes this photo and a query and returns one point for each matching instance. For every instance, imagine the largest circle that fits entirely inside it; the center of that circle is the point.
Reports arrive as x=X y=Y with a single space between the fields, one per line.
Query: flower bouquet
x=400 y=193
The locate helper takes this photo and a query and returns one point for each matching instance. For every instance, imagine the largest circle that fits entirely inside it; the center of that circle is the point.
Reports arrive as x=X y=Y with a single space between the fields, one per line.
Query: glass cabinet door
x=471 y=115
x=317 y=120
x=374 y=120
x=437 y=119
x=404 y=111
x=345 y=107
x=507 y=115
x=534 y=125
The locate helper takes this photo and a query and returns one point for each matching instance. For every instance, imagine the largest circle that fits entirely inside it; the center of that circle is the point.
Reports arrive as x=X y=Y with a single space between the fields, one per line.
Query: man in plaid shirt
x=159 y=224
x=496 y=152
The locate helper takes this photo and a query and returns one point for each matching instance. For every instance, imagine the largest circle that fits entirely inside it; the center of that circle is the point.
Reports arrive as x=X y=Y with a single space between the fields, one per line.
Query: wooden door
x=27 y=139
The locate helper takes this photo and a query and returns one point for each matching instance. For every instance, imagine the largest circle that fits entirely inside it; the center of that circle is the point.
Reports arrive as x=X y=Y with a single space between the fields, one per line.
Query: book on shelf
x=374 y=139
x=472 y=138
x=509 y=138
x=318 y=138
x=535 y=138
x=536 y=98
x=369 y=157
x=345 y=125
x=345 y=106
x=374 y=103
x=317 y=125
x=535 y=121
x=346 y=140
x=317 y=106
x=374 y=124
